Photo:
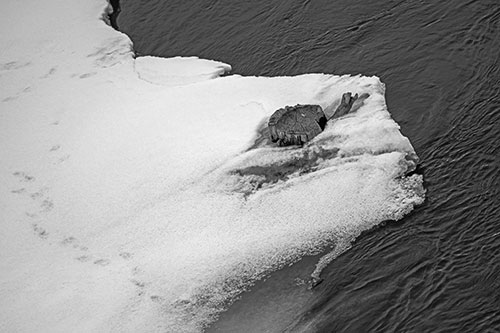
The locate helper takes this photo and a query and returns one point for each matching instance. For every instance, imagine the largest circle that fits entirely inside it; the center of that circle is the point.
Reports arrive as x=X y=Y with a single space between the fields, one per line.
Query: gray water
x=438 y=269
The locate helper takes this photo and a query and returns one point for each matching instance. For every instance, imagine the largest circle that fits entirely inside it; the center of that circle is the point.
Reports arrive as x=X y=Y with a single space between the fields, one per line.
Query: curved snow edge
x=176 y=71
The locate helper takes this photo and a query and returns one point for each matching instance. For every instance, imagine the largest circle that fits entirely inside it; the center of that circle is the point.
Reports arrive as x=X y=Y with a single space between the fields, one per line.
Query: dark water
x=438 y=270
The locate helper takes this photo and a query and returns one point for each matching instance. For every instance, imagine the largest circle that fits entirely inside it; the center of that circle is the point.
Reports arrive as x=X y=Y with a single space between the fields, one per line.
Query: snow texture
x=121 y=205
x=179 y=70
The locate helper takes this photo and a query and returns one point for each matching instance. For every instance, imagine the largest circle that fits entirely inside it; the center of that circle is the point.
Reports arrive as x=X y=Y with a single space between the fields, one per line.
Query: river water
x=438 y=269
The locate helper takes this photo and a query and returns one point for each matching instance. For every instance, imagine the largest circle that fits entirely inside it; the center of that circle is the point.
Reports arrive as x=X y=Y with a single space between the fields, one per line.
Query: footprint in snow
x=51 y=72
x=23 y=177
x=102 y=262
x=39 y=231
x=125 y=255
x=55 y=147
x=13 y=65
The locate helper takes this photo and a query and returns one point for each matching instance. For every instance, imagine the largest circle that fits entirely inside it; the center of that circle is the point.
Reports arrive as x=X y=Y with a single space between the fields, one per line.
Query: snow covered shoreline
x=118 y=207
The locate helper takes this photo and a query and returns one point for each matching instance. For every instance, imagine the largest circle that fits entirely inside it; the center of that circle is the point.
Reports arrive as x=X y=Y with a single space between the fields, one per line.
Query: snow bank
x=129 y=200
x=178 y=71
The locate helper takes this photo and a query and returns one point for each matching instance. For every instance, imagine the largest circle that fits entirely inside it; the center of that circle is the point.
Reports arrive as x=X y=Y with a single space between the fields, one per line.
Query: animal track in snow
x=13 y=65
x=138 y=283
x=63 y=158
x=39 y=231
x=47 y=205
x=43 y=206
x=10 y=98
x=125 y=255
x=102 y=262
x=23 y=177
x=83 y=258
x=55 y=147
x=157 y=299
x=75 y=244
x=50 y=72
x=86 y=75
x=17 y=94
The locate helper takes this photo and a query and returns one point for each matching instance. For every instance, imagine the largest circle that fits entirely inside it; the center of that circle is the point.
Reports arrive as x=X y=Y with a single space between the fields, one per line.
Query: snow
x=178 y=71
x=120 y=205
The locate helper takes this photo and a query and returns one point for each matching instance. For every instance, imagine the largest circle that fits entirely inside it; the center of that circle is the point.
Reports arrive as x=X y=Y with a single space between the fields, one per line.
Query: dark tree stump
x=296 y=125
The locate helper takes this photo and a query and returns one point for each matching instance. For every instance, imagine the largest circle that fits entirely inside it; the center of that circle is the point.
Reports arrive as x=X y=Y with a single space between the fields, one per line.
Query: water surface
x=436 y=270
